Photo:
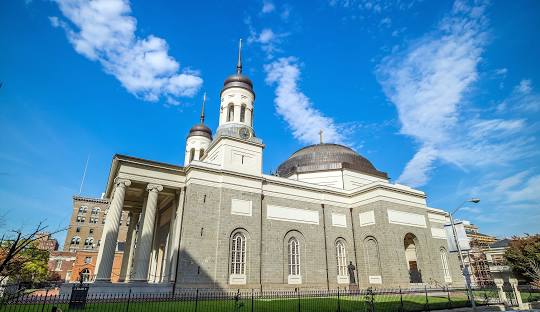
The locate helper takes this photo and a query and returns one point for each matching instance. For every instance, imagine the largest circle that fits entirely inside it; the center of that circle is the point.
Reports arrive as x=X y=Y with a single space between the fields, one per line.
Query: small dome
x=200 y=130
x=238 y=81
x=321 y=157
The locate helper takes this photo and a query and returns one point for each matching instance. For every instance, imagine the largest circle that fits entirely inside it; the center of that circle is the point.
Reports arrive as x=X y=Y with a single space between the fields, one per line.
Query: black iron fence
x=297 y=300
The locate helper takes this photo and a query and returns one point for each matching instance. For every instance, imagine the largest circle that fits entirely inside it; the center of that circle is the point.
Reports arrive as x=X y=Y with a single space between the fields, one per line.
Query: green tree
x=523 y=254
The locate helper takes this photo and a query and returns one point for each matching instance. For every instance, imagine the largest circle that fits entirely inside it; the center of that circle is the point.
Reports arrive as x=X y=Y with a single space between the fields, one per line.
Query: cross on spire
x=239 y=64
x=202 y=108
x=321 y=136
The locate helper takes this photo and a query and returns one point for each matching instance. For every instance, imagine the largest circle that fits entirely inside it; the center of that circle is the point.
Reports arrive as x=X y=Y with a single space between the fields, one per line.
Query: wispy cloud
x=268 y=7
x=429 y=83
x=295 y=107
x=523 y=98
x=104 y=31
x=269 y=41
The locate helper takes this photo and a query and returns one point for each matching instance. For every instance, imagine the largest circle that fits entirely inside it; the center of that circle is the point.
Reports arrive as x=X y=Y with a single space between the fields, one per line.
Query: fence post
x=251 y=299
x=371 y=299
x=449 y=300
x=196 y=299
x=44 y=300
x=401 y=299
x=427 y=300
x=338 y=303
x=129 y=298
x=297 y=289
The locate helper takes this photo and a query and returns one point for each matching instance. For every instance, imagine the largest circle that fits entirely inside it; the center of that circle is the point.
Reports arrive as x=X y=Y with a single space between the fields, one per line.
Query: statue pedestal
x=353 y=287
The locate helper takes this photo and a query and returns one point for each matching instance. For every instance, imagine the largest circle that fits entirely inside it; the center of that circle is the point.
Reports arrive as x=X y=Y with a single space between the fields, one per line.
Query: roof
x=200 y=130
x=325 y=156
x=502 y=243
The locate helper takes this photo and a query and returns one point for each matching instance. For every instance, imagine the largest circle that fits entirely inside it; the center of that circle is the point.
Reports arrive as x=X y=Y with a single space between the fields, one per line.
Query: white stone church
x=328 y=218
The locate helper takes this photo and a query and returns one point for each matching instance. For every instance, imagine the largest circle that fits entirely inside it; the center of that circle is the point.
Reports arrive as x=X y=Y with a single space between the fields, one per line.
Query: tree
x=523 y=254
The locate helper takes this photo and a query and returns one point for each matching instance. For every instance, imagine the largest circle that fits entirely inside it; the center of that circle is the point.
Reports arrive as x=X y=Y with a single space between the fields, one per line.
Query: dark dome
x=320 y=157
x=238 y=81
x=200 y=130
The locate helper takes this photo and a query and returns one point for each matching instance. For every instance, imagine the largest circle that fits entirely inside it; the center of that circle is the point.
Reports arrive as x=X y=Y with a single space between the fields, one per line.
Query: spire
x=239 y=65
x=202 y=108
x=321 y=136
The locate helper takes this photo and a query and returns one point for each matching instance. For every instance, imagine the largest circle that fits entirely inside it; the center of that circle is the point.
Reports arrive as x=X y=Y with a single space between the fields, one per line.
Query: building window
x=81 y=219
x=87 y=260
x=75 y=240
x=58 y=266
x=294 y=256
x=243 y=113
x=341 y=255
x=78 y=229
x=201 y=153
x=83 y=209
x=230 y=113
x=95 y=210
x=444 y=262
x=85 y=275
x=238 y=254
x=91 y=231
x=94 y=220
x=128 y=220
x=191 y=154
x=88 y=243
x=251 y=117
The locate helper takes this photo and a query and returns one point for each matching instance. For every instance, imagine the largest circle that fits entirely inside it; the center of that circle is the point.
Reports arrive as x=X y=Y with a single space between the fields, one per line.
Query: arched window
x=75 y=240
x=341 y=255
x=83 y=209
x=294 y=256
x=88 y=242
x=252 y=117
x=95 y=210
x=243 y=113
x=444 y=263
x=372 y=260
x=85 y=275
x=410 y=245
x=238 y=254
x=201 y=153
x=191 y=154
x=230 y=113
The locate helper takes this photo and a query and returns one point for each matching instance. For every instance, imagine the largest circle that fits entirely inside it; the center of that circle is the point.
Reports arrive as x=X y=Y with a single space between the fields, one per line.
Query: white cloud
x=268 y=7
x=269 y=40
x=104 y=31
x=523 y=98
x=295 y=107
x=429 y=82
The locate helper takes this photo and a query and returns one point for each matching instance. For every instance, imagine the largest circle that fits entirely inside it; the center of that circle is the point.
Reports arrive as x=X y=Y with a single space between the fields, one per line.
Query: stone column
x=502 y=296
x=130 y=243
x=109 y=237
x=145 y=235
x=517 y=293
x=174 y=239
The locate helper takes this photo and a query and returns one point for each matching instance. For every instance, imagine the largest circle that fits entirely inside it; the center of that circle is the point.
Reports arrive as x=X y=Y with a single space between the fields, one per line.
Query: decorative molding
x=154 y=187
x=367 y=218
x=292 y=214
x=339 y=219
x=124 y=182
x=406 y=218
x=438 y=233
x=241 y=207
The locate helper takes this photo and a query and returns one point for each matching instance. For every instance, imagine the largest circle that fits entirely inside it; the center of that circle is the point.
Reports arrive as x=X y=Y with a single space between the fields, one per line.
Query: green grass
x=346 y=304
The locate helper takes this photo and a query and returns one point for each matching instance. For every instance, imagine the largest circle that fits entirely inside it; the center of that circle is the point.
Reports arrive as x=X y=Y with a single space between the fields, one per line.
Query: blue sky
x=442 y=95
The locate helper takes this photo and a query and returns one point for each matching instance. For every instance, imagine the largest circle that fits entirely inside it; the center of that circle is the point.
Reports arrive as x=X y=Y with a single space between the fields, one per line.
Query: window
x=230 y=113
x=94 y=220
x=128 y=220
x=238 y=254
x=252 y=118
x=58 y=266
x=104 y=216
x=81 y=219
x=89 y=243
x=75 y=240
x=88 y=260
x=341 y=255
x=78 y=229
x=294 y=256
x=444 y=262
x=243 y=113
x=85 y=275
x=83 y=209
x=191 y=154
x=91 y=231
x=95 y=210
x=201 y=153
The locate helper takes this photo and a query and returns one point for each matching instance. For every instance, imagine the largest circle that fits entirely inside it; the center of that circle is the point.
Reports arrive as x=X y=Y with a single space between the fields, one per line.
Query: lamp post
x=465 y=271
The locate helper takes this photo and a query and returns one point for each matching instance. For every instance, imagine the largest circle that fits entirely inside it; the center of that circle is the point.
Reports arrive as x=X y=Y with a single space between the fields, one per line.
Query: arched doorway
x=410 y=243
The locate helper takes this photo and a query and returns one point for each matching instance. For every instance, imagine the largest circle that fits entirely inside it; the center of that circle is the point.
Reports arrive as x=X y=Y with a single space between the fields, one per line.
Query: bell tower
x=198 y=140
x=235 y=146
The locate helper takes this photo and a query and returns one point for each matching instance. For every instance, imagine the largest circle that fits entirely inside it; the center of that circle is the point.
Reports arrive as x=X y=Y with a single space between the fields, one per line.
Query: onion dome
x=323 y=157
x=238 y=80
x=201 y=129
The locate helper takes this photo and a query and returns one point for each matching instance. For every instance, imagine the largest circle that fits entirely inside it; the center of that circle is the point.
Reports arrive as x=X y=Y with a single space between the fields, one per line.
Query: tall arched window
x=238 y=254
x=85 y=274
x=243 y=113
x=230 y=113
x=252 y=117
x=75 y=240
x=294 y=256
x=201 y=153
x=191 y=154
x=444 y=263
x=410 y=245
x=341 y=255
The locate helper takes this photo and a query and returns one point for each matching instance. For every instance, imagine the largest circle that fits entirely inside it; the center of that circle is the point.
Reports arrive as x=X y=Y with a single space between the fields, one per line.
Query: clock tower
x=235 y=147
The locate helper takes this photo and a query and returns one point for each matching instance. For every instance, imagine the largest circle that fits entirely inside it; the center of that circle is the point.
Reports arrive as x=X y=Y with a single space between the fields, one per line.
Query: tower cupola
x=198 y=139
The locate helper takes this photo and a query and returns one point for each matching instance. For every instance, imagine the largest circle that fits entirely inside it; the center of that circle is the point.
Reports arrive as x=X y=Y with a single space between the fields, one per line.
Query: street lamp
x=464 y=269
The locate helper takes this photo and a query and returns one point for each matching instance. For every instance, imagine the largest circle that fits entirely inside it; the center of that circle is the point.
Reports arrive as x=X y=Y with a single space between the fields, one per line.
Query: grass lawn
x=346 y=304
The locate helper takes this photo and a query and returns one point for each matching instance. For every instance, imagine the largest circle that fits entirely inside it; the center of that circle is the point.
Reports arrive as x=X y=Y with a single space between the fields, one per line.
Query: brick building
x=46 y=241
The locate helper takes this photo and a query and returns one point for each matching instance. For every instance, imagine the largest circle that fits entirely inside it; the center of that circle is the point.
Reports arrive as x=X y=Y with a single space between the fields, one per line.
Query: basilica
x=327 y=218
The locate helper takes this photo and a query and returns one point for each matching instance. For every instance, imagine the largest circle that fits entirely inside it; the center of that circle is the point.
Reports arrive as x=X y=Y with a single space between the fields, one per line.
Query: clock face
x=244 y=133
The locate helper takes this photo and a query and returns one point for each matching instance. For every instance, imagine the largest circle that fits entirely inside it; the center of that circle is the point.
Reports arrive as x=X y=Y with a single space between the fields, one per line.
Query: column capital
x=122 y=182
x=154 y=187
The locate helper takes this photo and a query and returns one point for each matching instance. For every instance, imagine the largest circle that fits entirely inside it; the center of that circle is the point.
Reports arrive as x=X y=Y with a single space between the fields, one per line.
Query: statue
x=351 y=269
